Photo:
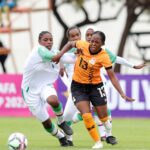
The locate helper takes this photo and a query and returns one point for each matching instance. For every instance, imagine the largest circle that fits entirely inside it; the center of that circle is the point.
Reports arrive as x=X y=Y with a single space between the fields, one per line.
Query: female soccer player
x=40 y=73
x=71 y=113
x=87 y=86
x=114 y=59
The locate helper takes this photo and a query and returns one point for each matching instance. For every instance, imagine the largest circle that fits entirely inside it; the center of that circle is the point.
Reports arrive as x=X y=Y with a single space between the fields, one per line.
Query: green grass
x=132 y=134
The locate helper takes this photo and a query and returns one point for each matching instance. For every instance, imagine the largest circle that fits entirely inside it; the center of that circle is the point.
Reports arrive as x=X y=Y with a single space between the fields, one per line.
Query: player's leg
x=69 y=112
x=102 y=113
x=100 y=126
x=50 y=127
x=69 y=109
x=99 y=101
x=84 y=108
x=38 y=109
x=49 y=94
x=82 y=102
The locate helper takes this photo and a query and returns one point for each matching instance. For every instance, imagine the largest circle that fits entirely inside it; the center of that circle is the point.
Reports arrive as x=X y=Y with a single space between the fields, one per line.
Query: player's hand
x=140 y=66
x=129 y=99
x=79 y=52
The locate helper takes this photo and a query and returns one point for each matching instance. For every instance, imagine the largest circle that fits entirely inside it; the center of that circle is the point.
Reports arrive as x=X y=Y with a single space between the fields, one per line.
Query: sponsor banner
x=11 y=101
x=135 y=86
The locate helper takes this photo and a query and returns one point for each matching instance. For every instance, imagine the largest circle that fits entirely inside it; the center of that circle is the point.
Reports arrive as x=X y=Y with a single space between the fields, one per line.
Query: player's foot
x=70 y=143
x=103 y=138
x=111 y=140
x=97 y=145
x=63 y=141
x=66 y=128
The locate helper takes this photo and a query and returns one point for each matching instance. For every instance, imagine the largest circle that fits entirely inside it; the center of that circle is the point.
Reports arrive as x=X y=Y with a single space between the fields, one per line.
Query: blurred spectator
x=3 y=55
x=6 y=6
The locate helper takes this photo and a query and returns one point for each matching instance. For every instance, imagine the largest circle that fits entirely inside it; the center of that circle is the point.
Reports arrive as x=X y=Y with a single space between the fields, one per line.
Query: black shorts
x=94 y=93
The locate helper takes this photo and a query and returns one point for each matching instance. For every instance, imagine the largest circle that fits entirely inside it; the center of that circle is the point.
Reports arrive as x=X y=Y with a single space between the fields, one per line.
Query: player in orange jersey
x=87 y=85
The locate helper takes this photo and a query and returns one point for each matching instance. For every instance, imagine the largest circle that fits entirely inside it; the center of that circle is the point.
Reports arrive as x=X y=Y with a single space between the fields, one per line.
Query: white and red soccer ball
x=17 y=141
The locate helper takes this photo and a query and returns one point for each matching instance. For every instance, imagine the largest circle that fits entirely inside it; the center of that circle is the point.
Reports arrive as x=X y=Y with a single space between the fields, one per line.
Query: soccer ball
x=17 y=141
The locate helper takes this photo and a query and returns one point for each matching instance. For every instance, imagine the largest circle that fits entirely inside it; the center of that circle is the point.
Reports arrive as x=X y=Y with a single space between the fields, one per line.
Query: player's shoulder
x=103 y=52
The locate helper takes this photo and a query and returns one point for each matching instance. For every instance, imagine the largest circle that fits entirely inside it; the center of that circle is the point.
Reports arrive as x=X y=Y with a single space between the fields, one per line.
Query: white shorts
x=37 y=102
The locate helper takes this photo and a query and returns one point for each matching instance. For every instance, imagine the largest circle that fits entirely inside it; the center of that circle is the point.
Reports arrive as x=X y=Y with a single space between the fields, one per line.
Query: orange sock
x=90 y=125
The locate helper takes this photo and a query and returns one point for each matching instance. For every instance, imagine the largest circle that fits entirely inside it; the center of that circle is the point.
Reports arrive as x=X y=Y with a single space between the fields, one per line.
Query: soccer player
x=114 y=59
x=40 y=73
x=87 y=86
x=71 y=113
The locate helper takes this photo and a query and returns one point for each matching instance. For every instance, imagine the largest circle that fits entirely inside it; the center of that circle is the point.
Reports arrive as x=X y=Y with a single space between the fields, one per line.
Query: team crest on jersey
x=92 y=61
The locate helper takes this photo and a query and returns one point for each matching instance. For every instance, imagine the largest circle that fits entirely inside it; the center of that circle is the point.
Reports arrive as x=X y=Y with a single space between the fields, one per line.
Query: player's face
x=95 y=43
x=74 y=35
x=88 y=34
x=46 y=41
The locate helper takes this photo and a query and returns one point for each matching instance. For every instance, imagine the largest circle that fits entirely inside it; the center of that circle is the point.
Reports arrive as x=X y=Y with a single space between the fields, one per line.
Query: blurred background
x=126 y=24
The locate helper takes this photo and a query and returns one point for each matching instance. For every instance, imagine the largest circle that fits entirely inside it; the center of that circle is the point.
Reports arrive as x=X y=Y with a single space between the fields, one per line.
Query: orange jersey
x=87 y=66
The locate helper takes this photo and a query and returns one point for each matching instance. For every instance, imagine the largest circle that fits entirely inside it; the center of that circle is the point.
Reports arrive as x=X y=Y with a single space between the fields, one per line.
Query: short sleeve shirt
x=87 y=66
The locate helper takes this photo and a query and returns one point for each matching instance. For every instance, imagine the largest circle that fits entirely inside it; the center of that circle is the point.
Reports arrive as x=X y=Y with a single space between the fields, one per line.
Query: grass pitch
x=132 y=134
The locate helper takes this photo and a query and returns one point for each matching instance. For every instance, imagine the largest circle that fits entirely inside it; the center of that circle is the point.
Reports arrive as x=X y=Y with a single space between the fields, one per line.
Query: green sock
x=77 y=117
x=59 y=113
x=54 y=131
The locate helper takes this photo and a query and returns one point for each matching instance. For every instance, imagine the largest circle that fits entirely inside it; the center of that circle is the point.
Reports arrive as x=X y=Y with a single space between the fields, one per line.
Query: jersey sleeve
x=82 y=44
x=106 y=62
x=112 y=56
x=72 y=50
x=123 y=61
x=45 y=54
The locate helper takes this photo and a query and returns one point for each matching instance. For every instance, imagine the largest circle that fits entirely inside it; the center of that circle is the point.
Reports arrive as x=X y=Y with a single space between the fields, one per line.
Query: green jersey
x=112 y=56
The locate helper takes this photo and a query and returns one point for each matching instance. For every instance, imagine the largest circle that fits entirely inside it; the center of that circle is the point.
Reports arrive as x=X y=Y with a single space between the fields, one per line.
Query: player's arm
x=123 y=61
x=66 y=48
x=106 y=62
x=116 y=84
x=45 y=54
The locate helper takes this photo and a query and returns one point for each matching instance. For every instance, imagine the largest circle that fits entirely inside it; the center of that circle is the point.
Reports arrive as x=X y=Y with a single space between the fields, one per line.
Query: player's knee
x=53 y=101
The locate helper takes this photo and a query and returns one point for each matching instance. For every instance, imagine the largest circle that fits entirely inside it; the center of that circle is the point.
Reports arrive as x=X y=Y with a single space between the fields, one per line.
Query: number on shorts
x=101 y=91
x=73 y=98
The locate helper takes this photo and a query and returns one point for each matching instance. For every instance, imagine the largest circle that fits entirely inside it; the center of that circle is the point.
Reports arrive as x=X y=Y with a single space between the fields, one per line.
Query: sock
x=69 y=123
x=100 y=126
x=77 y=117
x=69 y=137
x=59 y=113
x=107 y=125
x=90 y=125
x=109 y=115
x=55 y=131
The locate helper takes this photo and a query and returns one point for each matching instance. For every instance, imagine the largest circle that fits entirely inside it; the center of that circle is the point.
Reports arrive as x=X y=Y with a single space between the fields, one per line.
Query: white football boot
x=97 y=145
